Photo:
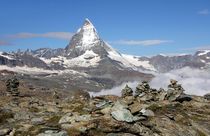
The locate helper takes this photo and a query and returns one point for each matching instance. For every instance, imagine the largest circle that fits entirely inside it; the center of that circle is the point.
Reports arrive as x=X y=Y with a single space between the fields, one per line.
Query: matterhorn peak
x=88 y=23
x=85 y=38
x=89 y=33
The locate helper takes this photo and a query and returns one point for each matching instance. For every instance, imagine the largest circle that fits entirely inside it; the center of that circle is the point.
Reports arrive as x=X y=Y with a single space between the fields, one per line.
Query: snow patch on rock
x=203 y=52
x=136 y=62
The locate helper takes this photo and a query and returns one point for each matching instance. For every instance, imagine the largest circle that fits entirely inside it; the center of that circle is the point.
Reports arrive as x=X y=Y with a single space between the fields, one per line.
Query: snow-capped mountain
x=90 y=63
x=87 y=51
x=87 y=62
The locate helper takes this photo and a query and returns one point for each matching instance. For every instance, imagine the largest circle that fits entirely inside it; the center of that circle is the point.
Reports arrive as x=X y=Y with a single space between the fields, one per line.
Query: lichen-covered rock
x=120 y=112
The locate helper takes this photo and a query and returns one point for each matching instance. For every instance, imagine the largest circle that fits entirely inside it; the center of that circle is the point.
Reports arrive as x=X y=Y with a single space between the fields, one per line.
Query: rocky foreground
x=149 y=112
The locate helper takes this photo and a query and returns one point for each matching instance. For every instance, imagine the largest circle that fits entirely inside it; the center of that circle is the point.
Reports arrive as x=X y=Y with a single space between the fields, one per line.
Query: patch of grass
x=33 y=131
x=33 y=109
x=53 y=121
x=77 y=106
x=74 y=132
x=154 y=107
x=4 y=115
x=96 y=132
x=200 y=133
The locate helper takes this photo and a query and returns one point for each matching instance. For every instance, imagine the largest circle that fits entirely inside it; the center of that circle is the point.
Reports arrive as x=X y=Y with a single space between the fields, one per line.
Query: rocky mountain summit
x=144 y=111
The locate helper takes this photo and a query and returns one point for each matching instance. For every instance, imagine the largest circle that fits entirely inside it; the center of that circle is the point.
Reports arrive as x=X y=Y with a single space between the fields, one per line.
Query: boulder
x=207 y=96
x=184 y=97
x=136 y=107
x=121 y=113
x=147 y=112
x=5 y=131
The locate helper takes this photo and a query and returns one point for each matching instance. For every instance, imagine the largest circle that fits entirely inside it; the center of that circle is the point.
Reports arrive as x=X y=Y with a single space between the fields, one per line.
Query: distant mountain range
x=88 y=53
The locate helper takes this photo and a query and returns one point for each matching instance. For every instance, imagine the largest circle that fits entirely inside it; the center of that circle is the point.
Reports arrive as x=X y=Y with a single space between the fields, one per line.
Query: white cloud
x=55 y=35
x=204 y=47
x=204 y=12
x=115 y=90
x=194 y=81
x=141 y=42
x=2 y=43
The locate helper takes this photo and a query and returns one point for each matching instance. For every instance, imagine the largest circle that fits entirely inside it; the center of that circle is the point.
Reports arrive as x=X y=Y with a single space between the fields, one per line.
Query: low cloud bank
x=194 y=81
x=115 y=90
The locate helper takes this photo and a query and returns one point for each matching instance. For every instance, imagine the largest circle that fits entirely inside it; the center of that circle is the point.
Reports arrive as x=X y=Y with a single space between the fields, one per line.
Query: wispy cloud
x=204 y=47
x=204 y=12
x=2 y=43
x=55 y=35
x=141 y=42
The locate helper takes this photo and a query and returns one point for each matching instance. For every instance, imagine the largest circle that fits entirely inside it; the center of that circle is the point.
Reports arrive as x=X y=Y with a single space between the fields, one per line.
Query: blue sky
x=139 y=27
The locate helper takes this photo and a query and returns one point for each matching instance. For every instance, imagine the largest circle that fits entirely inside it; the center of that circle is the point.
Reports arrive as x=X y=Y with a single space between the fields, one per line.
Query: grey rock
x=4 y=132
x=70 y=118
x=22 y=115
x=37 y=121
x=136 y=107
x=103 y=104
x=147 y=112
x=121 y=113
x=207 y=96
x=184 y=97
x=53 y=133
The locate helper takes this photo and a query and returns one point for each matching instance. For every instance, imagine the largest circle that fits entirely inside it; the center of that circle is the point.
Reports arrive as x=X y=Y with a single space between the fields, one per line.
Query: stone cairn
x=56 y=97
x=127 y=91
x=144 y=92
x=12 y=87
x=174 y=90
x=142 y=88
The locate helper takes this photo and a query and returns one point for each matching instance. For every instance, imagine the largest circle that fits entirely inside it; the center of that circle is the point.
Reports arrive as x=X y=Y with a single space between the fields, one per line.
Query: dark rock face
x=47 y=52
x=22 y=60
x=167 y=63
